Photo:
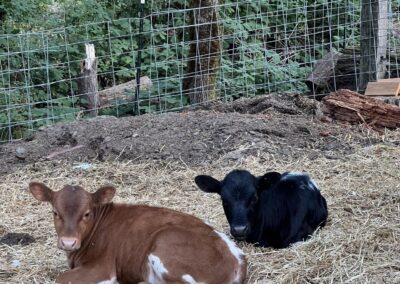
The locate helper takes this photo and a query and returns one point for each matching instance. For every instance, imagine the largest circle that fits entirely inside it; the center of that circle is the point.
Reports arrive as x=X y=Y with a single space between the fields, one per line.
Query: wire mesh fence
x=187 y=52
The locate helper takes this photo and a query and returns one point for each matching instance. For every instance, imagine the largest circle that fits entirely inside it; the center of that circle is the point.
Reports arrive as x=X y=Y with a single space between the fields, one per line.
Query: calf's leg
x=87 y=275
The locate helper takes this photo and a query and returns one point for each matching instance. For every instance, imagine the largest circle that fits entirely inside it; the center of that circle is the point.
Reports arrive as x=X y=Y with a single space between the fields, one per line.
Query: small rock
x=83 y=166
x=16 y=263
x=20 y=153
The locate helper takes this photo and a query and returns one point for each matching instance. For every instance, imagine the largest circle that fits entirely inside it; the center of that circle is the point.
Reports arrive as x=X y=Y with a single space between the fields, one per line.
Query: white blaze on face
x=157 y=270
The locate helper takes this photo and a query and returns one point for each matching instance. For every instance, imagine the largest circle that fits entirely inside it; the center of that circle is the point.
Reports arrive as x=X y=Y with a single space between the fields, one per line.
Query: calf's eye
x=86 y=214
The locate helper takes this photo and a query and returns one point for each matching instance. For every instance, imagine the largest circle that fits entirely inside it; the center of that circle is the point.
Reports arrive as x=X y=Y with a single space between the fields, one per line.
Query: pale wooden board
x=389 y=80
x=383 y=89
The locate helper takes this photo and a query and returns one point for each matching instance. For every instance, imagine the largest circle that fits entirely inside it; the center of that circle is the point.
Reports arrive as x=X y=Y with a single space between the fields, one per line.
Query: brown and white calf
x=120 y=243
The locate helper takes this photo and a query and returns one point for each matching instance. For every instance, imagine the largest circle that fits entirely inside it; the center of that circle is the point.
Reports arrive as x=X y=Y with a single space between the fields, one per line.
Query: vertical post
x=204 y=52
x=345 y=23
x=139 y=57
x=88 y=80
x=373 y=41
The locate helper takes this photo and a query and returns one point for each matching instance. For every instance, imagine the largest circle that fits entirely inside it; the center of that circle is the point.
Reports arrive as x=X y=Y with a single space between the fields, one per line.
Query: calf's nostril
x=239 y=230
x=68 y=243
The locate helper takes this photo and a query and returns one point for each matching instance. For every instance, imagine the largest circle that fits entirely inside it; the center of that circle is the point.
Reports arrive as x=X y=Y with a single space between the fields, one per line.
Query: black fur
x=272 y=210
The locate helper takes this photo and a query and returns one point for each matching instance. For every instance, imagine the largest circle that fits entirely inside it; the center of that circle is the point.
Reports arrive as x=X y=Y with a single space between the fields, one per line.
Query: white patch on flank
x=296 y=174
x=237 y=252
x=189 y=279
x=111 y=281
x=311 y=183
x=156 y=270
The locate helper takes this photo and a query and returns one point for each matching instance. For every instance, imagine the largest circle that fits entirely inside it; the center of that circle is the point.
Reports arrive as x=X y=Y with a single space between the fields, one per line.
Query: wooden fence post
x=88 y=80
x=373 y=41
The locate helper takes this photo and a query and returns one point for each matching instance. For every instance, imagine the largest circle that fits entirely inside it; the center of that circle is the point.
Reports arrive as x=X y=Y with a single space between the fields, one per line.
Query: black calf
x=272 y=210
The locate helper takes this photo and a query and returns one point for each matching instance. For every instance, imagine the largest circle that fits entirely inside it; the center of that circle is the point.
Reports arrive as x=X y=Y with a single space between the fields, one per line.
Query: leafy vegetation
x=266 y=46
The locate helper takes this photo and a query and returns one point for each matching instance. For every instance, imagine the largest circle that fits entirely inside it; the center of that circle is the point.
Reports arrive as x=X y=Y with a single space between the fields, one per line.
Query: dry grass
x=360 y=243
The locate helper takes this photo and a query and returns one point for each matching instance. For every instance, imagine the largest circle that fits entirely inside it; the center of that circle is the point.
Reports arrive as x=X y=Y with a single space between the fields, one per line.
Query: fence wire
x=191 y=52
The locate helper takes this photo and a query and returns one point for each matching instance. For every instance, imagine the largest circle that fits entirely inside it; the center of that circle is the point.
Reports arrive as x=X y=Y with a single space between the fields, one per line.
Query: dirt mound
x=280 y=124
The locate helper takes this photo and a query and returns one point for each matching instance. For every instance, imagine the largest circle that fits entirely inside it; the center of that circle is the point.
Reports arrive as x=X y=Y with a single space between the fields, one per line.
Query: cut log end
x=323 y=71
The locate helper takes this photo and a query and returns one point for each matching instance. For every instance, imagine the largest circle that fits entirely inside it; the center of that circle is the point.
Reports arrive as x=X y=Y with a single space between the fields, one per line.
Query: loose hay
x=360 y=243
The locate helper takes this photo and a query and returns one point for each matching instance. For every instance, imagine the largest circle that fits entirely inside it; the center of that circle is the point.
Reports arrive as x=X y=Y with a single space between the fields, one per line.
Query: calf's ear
x=104 y=194
x=208 y=184
x=40 y=191
x=266 y=181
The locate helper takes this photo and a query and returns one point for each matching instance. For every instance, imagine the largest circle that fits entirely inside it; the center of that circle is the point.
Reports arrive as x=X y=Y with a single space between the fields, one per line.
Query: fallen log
x=346 y=105
x=123 y=92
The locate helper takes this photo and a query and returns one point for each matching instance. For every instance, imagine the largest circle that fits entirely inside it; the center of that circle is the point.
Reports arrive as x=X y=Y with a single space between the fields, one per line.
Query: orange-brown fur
x=115 y=240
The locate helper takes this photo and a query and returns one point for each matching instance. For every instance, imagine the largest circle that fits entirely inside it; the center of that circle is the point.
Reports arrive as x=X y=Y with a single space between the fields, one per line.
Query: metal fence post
x=139 y=57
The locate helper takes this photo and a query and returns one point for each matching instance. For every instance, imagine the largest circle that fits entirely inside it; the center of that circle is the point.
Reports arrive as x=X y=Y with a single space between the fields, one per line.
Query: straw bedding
x=360 y=243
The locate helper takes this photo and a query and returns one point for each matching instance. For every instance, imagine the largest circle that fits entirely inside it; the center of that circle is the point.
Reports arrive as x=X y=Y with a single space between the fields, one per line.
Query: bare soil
x=288 y=126
x=13 y=239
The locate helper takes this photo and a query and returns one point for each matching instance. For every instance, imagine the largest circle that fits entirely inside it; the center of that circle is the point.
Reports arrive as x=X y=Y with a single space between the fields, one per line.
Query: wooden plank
x=390 y=80
x=383 y=89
